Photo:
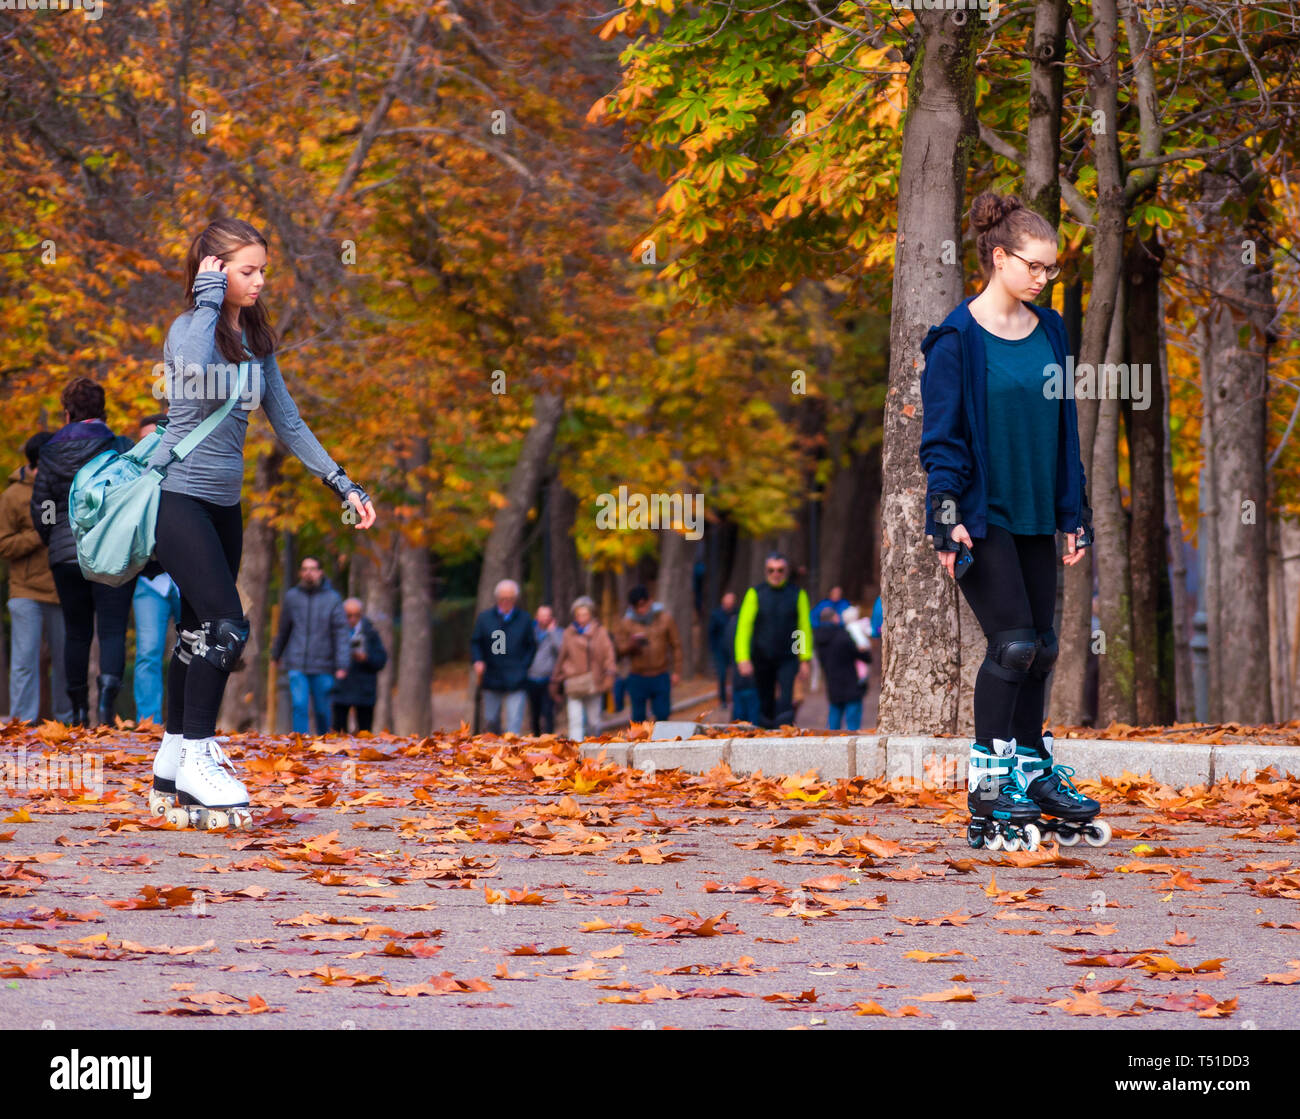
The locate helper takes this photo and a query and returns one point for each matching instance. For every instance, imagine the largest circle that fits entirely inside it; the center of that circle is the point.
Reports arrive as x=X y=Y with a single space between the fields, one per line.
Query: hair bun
x=989 y=209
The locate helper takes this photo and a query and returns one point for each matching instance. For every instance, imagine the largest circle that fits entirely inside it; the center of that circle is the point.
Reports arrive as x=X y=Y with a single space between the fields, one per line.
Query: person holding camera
x=358 y=689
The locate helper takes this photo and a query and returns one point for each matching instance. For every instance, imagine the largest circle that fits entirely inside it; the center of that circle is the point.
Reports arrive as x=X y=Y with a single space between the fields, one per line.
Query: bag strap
x=195 y=437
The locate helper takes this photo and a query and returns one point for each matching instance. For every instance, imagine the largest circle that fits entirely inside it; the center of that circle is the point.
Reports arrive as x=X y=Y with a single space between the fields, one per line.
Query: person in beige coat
x=586 y=663
x=33 y=601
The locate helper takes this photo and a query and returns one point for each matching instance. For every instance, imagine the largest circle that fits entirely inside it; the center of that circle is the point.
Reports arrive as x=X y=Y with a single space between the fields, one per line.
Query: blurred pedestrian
x=647 y=634
x=584 y=668
x=358 y=689
x=313 y=642
x=502 y=647
x=541 y=702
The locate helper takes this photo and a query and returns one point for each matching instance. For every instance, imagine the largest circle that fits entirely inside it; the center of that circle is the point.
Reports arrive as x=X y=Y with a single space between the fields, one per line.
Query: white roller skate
x=162 y=795
x=209 y=795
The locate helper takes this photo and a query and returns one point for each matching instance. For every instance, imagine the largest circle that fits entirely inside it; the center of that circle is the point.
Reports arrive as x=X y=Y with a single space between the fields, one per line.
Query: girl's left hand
x=1072 y=554
x=366 y=512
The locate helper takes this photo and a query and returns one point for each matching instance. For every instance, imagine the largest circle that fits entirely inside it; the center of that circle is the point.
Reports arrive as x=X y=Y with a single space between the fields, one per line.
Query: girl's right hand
x=949 y=559
x=212 y=264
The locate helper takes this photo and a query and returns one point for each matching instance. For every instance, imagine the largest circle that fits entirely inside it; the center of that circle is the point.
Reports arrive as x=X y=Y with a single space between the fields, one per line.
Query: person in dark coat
x=502 y=648
x=359 y=688
x=313 y=643
x=724 y=656
x=838 y=655
x=87 y=606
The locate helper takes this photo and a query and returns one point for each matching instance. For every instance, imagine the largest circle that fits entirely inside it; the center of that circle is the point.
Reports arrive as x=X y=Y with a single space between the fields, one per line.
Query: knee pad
x=1048 y=651
x=1011 y=652
x=222 y=641
x=185 y=642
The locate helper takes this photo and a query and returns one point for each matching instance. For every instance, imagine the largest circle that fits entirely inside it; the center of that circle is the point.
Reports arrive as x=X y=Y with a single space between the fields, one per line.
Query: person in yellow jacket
x=774 y=641
x=33 y=601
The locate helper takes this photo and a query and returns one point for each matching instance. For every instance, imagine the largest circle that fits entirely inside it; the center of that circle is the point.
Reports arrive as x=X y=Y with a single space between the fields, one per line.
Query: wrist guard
x=341 y=484
x=1083 y=534
x=944 y=512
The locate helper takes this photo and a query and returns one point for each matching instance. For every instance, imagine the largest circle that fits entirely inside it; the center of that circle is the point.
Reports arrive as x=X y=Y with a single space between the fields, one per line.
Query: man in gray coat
x=313 y=640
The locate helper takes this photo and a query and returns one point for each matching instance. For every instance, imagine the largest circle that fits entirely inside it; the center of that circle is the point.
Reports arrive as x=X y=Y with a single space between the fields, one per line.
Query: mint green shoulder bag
x=113 y=502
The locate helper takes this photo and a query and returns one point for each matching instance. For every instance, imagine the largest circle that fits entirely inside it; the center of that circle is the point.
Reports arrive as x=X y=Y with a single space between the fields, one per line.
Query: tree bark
x=566 y=569
x=1107 y=255
x=1146 y=440
x=243 y=707
x=413 y=707
x=1239 y=325
x=919 y=690
x=502 y=556
x=673 y=589
x=378 y=567
x=1114 y=599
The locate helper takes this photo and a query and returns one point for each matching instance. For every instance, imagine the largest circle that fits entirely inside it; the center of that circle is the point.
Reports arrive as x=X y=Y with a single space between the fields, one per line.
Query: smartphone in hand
x=962 y=564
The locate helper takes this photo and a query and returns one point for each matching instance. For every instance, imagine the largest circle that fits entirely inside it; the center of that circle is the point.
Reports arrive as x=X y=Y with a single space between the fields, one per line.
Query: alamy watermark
x=50 y=771
x=91 y=9
x=633 y=510
x=1107 y=381
x=988 y=9
x=214 y=381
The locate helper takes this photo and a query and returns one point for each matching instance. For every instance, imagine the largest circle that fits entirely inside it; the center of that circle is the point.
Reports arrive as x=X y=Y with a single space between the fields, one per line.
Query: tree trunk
x=243 y=707
x=413 y=707
x=1114 y=599
x=673 y=589
x=1239 y=324
x=1184 y=691
x=1145 y=424
x=566 y=569
x=503 y=554
x=1107 y=256
x=378 y=567
x=1042 y=190
x=919 y=690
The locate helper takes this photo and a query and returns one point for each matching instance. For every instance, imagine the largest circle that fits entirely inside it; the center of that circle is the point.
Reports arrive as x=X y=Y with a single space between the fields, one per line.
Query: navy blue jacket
x=360 y=685
x=506 y=671
x=954 y=424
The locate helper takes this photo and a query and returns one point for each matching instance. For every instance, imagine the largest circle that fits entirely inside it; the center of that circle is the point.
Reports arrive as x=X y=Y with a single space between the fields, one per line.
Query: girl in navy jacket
x=1000 y=445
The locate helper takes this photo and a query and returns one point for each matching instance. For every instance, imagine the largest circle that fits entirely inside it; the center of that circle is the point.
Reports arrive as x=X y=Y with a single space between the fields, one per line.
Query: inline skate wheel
x=995 y=842
x=975 y=835
x=1033 y=837
x=1068 y=838
x=1011 y=843
x=1098 y=833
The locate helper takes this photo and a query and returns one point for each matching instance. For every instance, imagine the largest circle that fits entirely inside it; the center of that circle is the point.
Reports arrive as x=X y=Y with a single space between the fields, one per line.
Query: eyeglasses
x=1036 y=268
x=776 y=570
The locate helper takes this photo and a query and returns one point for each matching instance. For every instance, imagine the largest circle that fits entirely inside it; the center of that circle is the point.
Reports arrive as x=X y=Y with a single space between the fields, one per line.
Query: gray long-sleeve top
x=214 y=470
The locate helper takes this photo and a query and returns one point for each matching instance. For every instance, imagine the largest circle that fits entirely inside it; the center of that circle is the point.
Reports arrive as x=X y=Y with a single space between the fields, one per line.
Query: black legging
x=86 y=605
x=199 y=545
x=1011 y=586
x=771 y=678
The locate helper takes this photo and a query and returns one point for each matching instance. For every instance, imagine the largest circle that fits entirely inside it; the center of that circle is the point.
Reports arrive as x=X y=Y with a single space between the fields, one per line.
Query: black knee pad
x=222 y=641
x=1048 y=651
x=1011 y=652
x=185 y=641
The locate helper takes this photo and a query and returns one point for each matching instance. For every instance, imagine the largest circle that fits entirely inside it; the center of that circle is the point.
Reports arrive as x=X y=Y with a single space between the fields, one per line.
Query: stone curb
x=942 y=761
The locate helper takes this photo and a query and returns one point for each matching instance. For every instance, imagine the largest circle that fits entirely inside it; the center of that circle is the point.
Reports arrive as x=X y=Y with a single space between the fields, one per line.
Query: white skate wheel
x=1068 y=838
x=995 y=842
x=1011 y=843
x=1098 y=833
x=178 y=817
x=1033 y=837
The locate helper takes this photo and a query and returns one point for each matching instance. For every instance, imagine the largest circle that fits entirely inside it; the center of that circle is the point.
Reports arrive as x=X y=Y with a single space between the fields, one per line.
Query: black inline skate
x=1003 y=818
x=1066 y=812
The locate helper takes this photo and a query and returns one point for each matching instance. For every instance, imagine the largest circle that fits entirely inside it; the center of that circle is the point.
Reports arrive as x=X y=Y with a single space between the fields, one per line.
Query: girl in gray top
x=200 y=522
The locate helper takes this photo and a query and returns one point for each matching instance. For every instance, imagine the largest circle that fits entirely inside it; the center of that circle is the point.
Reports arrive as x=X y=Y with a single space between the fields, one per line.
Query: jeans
x=30 y=619
x=316 y=687
x=848 y=713
x=656 y=689
x=152 y=613
x=584 y=716
x=514 y=705
x=744 y=700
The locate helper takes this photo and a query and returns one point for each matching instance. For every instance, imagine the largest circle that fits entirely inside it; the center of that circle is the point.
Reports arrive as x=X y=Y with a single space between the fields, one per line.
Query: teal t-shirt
x=1024 y=428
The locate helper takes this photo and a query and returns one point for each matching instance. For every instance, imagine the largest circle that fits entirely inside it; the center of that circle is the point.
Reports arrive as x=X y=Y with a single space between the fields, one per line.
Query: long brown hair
x=1003 y=222
x=222 y=238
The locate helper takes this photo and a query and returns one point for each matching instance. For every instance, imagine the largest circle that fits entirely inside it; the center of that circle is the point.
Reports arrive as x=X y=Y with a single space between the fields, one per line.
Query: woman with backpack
x=86 y=605
x=200 y=520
